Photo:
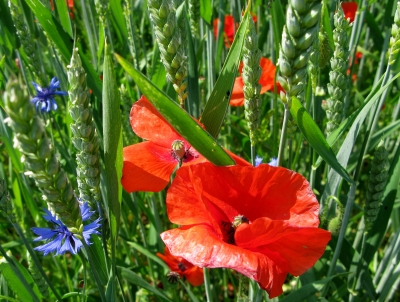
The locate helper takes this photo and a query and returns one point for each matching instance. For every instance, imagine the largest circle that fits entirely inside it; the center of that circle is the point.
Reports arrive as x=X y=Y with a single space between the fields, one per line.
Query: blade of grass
x=218 y=102
x=178 y=118
x=315 y=137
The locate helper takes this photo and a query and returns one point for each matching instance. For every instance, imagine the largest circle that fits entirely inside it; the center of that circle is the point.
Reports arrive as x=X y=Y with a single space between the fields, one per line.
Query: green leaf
x=278 y=21
x=63 y=42
x=112 y=138
x=346 y=148
x=206 y=10
x=116 y=10
x=379 y=227
x=218 y=102
x=179 y=119
x=314 y=136
x=148 y=254
x=133 y=278
x=14 y=283
x=326 y=21
x=63 y=13
x=193 y=100
x=98 y=259
x=307 y=290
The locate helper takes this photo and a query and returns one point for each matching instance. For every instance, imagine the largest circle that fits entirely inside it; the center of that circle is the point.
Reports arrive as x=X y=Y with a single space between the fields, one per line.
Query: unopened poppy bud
x=179 y=148
x=238 y=220
x=173 y=277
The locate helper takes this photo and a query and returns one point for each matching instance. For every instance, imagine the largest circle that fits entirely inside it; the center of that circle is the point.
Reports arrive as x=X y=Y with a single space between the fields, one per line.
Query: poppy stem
x=253 y=157
x=283 y=134
x=207 y=284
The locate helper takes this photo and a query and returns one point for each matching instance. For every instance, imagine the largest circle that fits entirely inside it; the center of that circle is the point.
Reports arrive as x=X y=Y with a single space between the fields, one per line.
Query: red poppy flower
x=349 y=10
x=358 y=57
x=193 y=274
x=266 y=82
x=262 y=222
x=148 y=166
x=229 y=29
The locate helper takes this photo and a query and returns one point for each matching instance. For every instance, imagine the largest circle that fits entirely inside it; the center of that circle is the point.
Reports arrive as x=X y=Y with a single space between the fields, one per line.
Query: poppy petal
x=194 y=276
x=147 y=167
x=265 y=191
x=149 y=124
x=237 y=96
x=200 y=246
x=300 y=247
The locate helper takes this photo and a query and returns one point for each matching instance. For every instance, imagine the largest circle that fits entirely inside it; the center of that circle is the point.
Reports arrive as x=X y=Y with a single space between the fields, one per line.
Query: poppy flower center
x=228 y=229
x=182 y=266
x=180 y=153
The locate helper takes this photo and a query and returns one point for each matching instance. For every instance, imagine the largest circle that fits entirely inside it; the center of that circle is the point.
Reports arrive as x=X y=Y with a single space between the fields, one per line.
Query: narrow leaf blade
x=218 y=102
x=314 y=136
x=178 y=118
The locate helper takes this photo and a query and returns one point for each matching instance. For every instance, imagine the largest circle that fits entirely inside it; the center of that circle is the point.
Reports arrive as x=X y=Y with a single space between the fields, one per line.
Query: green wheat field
x=199 y=150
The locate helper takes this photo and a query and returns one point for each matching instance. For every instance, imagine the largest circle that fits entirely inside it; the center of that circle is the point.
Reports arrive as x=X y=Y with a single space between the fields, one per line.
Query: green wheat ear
x=395 y=39
x=251 y=75
x=338 y=77
x=302 y=20
x=27 y=43
x=38 y=155
x=194 y=14
x=84 y=135
x=376 y=184
x=170 y=42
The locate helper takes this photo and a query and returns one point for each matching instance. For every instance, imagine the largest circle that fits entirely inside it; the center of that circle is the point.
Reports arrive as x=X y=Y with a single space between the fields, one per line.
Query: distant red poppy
x=193 y=274
x=148 y=166
x=266 y=82
x=229 y=29
x=262 y=222
x=349 y=10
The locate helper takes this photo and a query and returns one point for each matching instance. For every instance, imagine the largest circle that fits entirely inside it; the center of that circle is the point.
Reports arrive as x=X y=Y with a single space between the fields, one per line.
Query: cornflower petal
x=44 y=100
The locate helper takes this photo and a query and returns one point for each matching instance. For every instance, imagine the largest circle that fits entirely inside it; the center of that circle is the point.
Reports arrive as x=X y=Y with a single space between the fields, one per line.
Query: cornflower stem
x=35 y=259
x=18 y=273
x=283 y=134
x=207 y=284
x=88 y=256
x=345 y=221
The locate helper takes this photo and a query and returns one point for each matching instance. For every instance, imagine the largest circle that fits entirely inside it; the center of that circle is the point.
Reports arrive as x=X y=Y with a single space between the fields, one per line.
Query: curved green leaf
x=63 y=41
x=218 y=102
x=314 y=136
x=182 y=122
x=132 y=277
x=307 y=290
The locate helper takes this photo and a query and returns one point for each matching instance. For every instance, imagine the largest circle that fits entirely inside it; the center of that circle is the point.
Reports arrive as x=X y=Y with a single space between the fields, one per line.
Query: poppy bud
x=179 y=148
x=173 y=277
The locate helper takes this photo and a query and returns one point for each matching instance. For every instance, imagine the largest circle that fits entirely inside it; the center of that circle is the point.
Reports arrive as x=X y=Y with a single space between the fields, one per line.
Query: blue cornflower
x=258 y=161
x=273 y=162
x=60 y=239
x=44 y=99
